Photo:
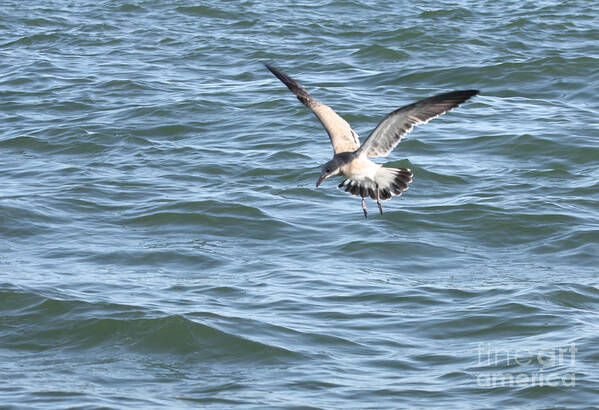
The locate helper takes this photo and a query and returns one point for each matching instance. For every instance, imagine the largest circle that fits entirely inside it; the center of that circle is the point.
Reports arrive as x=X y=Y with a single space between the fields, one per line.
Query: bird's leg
x=378 y=200
x=364 y=208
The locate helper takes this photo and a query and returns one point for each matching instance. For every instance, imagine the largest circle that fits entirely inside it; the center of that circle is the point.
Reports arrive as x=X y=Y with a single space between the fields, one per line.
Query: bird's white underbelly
x=360 y=169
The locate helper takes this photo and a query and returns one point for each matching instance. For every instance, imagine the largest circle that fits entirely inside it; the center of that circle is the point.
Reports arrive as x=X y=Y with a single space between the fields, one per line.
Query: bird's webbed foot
x=378 y=200
x=364 y=208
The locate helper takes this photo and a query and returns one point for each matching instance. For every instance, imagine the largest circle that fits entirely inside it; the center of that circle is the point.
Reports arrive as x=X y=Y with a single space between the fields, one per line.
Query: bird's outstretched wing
x=394 y=127
x=340 y=132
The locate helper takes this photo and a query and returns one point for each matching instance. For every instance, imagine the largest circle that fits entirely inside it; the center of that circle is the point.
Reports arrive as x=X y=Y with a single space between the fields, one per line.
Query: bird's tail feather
x=388 y=182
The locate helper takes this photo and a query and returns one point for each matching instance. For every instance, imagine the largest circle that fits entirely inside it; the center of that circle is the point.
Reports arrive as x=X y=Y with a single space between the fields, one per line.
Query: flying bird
x=351 y=160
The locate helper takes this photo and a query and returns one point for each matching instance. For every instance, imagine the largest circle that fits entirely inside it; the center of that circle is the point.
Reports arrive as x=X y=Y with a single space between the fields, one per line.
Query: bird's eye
x=327 y=170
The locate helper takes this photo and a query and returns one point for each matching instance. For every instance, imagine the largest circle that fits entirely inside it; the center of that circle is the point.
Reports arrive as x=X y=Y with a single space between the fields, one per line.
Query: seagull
x=363 y=177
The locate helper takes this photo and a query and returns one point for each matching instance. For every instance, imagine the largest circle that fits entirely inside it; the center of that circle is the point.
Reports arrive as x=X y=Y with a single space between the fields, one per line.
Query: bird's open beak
x=322 y=178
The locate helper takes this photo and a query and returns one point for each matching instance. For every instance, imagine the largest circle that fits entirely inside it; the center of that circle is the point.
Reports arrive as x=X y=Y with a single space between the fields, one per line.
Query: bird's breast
x=360 y=169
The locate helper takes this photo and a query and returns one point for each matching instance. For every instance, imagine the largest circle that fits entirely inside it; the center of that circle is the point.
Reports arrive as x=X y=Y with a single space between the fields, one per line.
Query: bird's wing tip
x=272 y=69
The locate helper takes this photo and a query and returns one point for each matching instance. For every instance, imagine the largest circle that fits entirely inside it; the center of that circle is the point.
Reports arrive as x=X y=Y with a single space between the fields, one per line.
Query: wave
x=32 y=322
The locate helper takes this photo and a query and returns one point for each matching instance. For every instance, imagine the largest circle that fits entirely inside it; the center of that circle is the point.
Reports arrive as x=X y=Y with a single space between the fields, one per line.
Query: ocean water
x=162 y=243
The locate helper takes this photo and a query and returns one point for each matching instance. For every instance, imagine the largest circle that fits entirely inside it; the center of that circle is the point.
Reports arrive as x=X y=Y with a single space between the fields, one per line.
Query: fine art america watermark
x=553 y=366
